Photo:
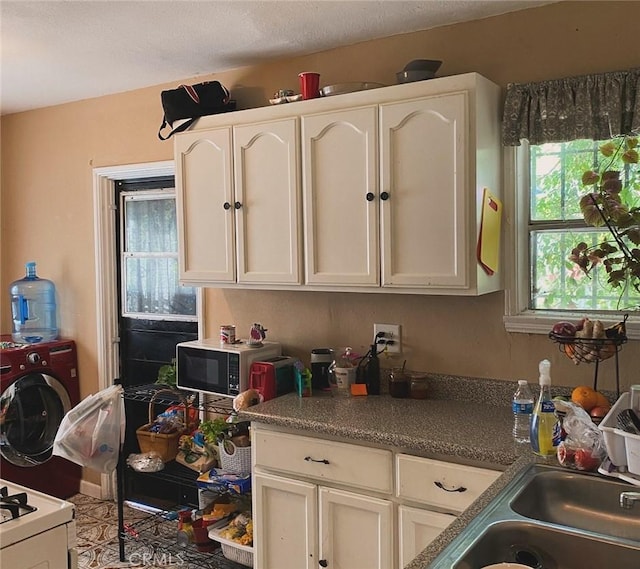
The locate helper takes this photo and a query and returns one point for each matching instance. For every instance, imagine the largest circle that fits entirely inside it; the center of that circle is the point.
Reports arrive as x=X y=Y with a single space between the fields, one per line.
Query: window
x=556 y=226
x=149 y=258
x=543 y=222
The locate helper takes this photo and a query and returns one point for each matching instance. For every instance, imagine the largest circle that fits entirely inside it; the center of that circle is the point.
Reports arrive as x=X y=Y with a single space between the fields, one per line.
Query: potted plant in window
x=609 y=205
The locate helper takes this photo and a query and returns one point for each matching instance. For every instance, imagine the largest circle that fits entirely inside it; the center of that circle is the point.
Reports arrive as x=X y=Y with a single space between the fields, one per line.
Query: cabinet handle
x=384 y=196
x=441 y=486
x=237 y=205
x=370 y=197
x=309 y=459
x=323 y=563
x=226 y=205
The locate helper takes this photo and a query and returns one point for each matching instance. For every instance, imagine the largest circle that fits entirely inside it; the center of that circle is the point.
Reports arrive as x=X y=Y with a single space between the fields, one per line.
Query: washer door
x=31 y=411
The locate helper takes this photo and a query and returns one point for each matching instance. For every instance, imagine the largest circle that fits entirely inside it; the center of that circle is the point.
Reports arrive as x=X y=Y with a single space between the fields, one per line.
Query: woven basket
x=238 y=555
x=238 y=461
x=165 y=445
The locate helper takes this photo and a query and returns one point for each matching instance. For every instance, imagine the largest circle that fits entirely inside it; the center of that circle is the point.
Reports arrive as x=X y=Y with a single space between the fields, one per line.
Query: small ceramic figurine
x=256 y=335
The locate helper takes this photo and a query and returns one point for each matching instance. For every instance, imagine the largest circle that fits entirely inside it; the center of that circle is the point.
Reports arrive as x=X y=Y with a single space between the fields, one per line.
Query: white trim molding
x=104 y=208
x=518 y=317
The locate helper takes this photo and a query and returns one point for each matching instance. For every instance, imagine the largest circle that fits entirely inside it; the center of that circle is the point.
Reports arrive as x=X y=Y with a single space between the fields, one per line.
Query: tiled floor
x=97 y=531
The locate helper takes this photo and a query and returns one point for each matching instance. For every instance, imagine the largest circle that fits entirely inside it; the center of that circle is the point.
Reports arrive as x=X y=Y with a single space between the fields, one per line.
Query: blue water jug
x=33 y=306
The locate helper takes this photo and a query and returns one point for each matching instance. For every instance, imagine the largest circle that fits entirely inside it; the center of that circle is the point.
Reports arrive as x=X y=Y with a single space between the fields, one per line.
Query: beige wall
x=47 y=215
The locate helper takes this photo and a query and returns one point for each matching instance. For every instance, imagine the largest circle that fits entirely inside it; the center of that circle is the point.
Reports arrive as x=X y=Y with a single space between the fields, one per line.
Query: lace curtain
x=593 y=107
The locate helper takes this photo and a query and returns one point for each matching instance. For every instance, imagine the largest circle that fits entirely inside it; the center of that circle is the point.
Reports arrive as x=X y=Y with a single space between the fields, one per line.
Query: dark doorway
x=146 y=344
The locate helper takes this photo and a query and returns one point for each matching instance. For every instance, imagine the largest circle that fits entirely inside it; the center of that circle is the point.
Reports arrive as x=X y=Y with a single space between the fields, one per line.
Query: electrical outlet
x=390 y=339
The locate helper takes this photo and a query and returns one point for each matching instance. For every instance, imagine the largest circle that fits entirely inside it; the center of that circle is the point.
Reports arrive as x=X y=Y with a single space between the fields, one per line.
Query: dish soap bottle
x=545 y=429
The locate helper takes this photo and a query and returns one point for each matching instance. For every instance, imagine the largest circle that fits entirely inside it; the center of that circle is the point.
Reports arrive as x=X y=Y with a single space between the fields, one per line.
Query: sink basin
x=578 y=501
x=548 y=517
x=543 y=547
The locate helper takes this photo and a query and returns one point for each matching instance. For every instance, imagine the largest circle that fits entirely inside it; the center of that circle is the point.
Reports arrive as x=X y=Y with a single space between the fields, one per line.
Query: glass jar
x=418 y=387
x=185 y=528
x=398 y=383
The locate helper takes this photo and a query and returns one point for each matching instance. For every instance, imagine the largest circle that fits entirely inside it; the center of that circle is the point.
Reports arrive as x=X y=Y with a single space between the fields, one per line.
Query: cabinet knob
x=237 y=205
x=226 y=205
x=458 y=489
x=384 y=196
x=323 y=563
x=370 y=197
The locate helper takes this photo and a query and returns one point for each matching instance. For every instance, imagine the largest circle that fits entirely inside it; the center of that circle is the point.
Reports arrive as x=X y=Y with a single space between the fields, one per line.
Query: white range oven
x=36 y=530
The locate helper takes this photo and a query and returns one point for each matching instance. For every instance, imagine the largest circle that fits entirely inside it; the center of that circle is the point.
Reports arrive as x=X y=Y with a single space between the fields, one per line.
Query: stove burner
x=13 y=506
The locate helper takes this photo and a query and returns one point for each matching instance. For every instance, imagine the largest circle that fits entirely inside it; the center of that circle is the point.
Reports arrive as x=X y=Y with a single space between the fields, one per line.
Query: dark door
x=155 y=314
x=147 y=280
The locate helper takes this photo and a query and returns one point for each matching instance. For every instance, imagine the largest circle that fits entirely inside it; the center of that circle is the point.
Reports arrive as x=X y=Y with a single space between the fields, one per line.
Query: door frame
x=104 y=223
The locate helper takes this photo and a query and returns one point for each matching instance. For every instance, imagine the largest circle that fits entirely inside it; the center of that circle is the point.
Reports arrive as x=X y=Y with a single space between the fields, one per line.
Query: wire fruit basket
x=588 y=350
x=594 y=350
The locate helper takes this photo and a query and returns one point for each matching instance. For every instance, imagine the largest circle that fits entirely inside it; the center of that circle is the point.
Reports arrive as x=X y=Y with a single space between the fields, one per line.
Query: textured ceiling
x=55 y=52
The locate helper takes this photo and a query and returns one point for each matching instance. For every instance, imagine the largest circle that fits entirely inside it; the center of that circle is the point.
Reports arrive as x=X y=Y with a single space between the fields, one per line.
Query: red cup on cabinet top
x=309 y=84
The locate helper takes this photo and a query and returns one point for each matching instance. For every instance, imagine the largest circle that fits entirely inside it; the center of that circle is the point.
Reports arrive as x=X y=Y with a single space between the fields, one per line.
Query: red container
x=309 y=84
x=272 y=377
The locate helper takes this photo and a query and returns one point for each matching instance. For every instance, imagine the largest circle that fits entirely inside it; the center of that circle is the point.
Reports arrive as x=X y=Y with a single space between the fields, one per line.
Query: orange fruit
x=585 y=396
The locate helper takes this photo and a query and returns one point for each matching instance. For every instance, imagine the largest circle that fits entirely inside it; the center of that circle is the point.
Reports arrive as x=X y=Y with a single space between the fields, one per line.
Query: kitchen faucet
x=627 y=499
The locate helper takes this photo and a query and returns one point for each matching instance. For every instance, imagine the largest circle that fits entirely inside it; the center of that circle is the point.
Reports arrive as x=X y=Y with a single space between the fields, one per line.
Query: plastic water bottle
x=522 y=406
x=33 y=307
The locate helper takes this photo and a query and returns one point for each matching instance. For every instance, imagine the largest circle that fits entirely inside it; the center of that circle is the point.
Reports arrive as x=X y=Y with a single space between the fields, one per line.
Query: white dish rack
x=623 y=448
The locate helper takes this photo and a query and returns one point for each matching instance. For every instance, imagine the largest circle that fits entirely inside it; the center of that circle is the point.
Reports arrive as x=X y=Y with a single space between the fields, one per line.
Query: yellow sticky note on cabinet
x=489 y=238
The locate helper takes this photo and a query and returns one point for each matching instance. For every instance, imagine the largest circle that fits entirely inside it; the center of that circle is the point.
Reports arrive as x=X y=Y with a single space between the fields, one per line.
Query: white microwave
x=221 y=369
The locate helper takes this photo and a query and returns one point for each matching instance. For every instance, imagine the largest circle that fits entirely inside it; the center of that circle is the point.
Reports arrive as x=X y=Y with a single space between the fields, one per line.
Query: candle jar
x=398 y=383
x=418 y=388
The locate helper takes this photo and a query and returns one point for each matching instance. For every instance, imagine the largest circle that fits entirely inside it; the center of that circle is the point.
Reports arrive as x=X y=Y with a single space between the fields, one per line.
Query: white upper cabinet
x=268 y=202
x=239 y=204
x=340 y=185
x=203 y=188
x=375 y=191
x=423 y=166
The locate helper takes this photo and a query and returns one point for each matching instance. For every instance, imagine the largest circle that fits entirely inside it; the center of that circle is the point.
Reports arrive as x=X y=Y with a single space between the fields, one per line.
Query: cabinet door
x=423 y=167
x=285 y=523
x=340 y=187
x=267 y=190
x=355 y=531
x=203 y=190
x=417 y=529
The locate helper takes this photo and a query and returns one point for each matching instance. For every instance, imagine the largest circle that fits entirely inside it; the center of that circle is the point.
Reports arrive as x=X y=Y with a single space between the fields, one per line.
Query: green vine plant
x=604 y=206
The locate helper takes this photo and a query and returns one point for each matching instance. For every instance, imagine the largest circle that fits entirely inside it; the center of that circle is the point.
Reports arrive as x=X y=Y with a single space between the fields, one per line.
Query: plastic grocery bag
x=93 y=431
x=584 y=446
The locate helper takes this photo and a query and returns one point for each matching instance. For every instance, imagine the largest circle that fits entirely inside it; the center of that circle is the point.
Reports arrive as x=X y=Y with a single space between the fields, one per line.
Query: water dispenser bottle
x=33 y=306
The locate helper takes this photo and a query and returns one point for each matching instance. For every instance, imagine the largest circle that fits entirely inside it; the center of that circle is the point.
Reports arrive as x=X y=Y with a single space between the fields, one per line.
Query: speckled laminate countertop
x=464 y=420
x=471 y=432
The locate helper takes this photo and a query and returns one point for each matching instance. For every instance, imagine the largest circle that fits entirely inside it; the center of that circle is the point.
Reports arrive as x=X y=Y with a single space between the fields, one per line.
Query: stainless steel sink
x=579 y=501
x=538 y=546
x=550 y=518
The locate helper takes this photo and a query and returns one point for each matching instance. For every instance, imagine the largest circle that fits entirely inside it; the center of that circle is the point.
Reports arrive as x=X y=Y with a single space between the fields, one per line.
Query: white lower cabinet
x=356 y=531
x=299 y=525
x=441 y=490
x=285 y=521
x=324 y=503
x=417 y=528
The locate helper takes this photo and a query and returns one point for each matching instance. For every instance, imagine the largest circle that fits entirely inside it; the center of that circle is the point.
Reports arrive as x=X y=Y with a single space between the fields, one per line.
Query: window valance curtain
x=596 y=107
